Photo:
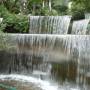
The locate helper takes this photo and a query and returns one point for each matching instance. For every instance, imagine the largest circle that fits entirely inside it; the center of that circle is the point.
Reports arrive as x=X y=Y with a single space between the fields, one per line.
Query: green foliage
x=77 y=15
x=12 y=22
x=3 y=41
x=46 y=12
x=36 y=1
x=61 y=9
x=35 y=7
x=78 y=9
x=61 y=6
x=11 y=5
x=82 y=4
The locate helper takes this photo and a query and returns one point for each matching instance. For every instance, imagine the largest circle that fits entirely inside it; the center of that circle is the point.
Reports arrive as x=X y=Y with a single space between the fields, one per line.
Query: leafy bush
x=81 y=5
x=13 y=23
x=77 y=11
x=62 y=10
x=46 y=12
x=77 y=15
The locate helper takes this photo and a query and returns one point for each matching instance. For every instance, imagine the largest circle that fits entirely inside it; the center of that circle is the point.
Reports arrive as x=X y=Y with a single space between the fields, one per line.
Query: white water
x=44 y=85
x=87 y=15
x=49 y=24
x=46 y=43
x=80 y=27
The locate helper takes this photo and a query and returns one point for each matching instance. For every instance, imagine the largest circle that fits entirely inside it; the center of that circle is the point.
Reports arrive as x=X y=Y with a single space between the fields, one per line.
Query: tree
x=11 y=5
x=81 y=5
x=61 y=6
x=79 y=8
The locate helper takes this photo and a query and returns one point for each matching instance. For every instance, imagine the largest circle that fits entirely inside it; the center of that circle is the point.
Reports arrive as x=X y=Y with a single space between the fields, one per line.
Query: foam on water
x=44 y=85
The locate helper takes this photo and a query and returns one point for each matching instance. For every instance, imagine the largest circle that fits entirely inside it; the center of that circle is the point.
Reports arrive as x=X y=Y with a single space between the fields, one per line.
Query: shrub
x=77 y=15
x=13 y=23
x=62 y=10
x=77 y=11
x=46 y=12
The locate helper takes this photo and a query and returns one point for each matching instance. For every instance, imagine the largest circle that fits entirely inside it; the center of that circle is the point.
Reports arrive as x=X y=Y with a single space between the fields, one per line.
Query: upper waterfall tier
x=49 y=24
x=58 y=25
x=81 y=27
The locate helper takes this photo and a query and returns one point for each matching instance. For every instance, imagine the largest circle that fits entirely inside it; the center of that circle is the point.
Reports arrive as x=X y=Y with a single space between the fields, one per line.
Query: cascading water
x=81 y=27
x=64 y=57
x=87 y=15
x=49 y=24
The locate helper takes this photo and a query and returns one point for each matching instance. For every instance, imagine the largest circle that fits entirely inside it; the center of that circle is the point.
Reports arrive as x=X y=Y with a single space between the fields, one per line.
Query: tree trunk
x=50 y=7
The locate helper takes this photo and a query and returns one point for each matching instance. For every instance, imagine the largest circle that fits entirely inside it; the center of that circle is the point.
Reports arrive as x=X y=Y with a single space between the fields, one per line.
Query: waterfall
x=87 y=15
x=26 y=50
x=49 y=24
x=47 y=48
x=80 y=27
x=46 y=55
